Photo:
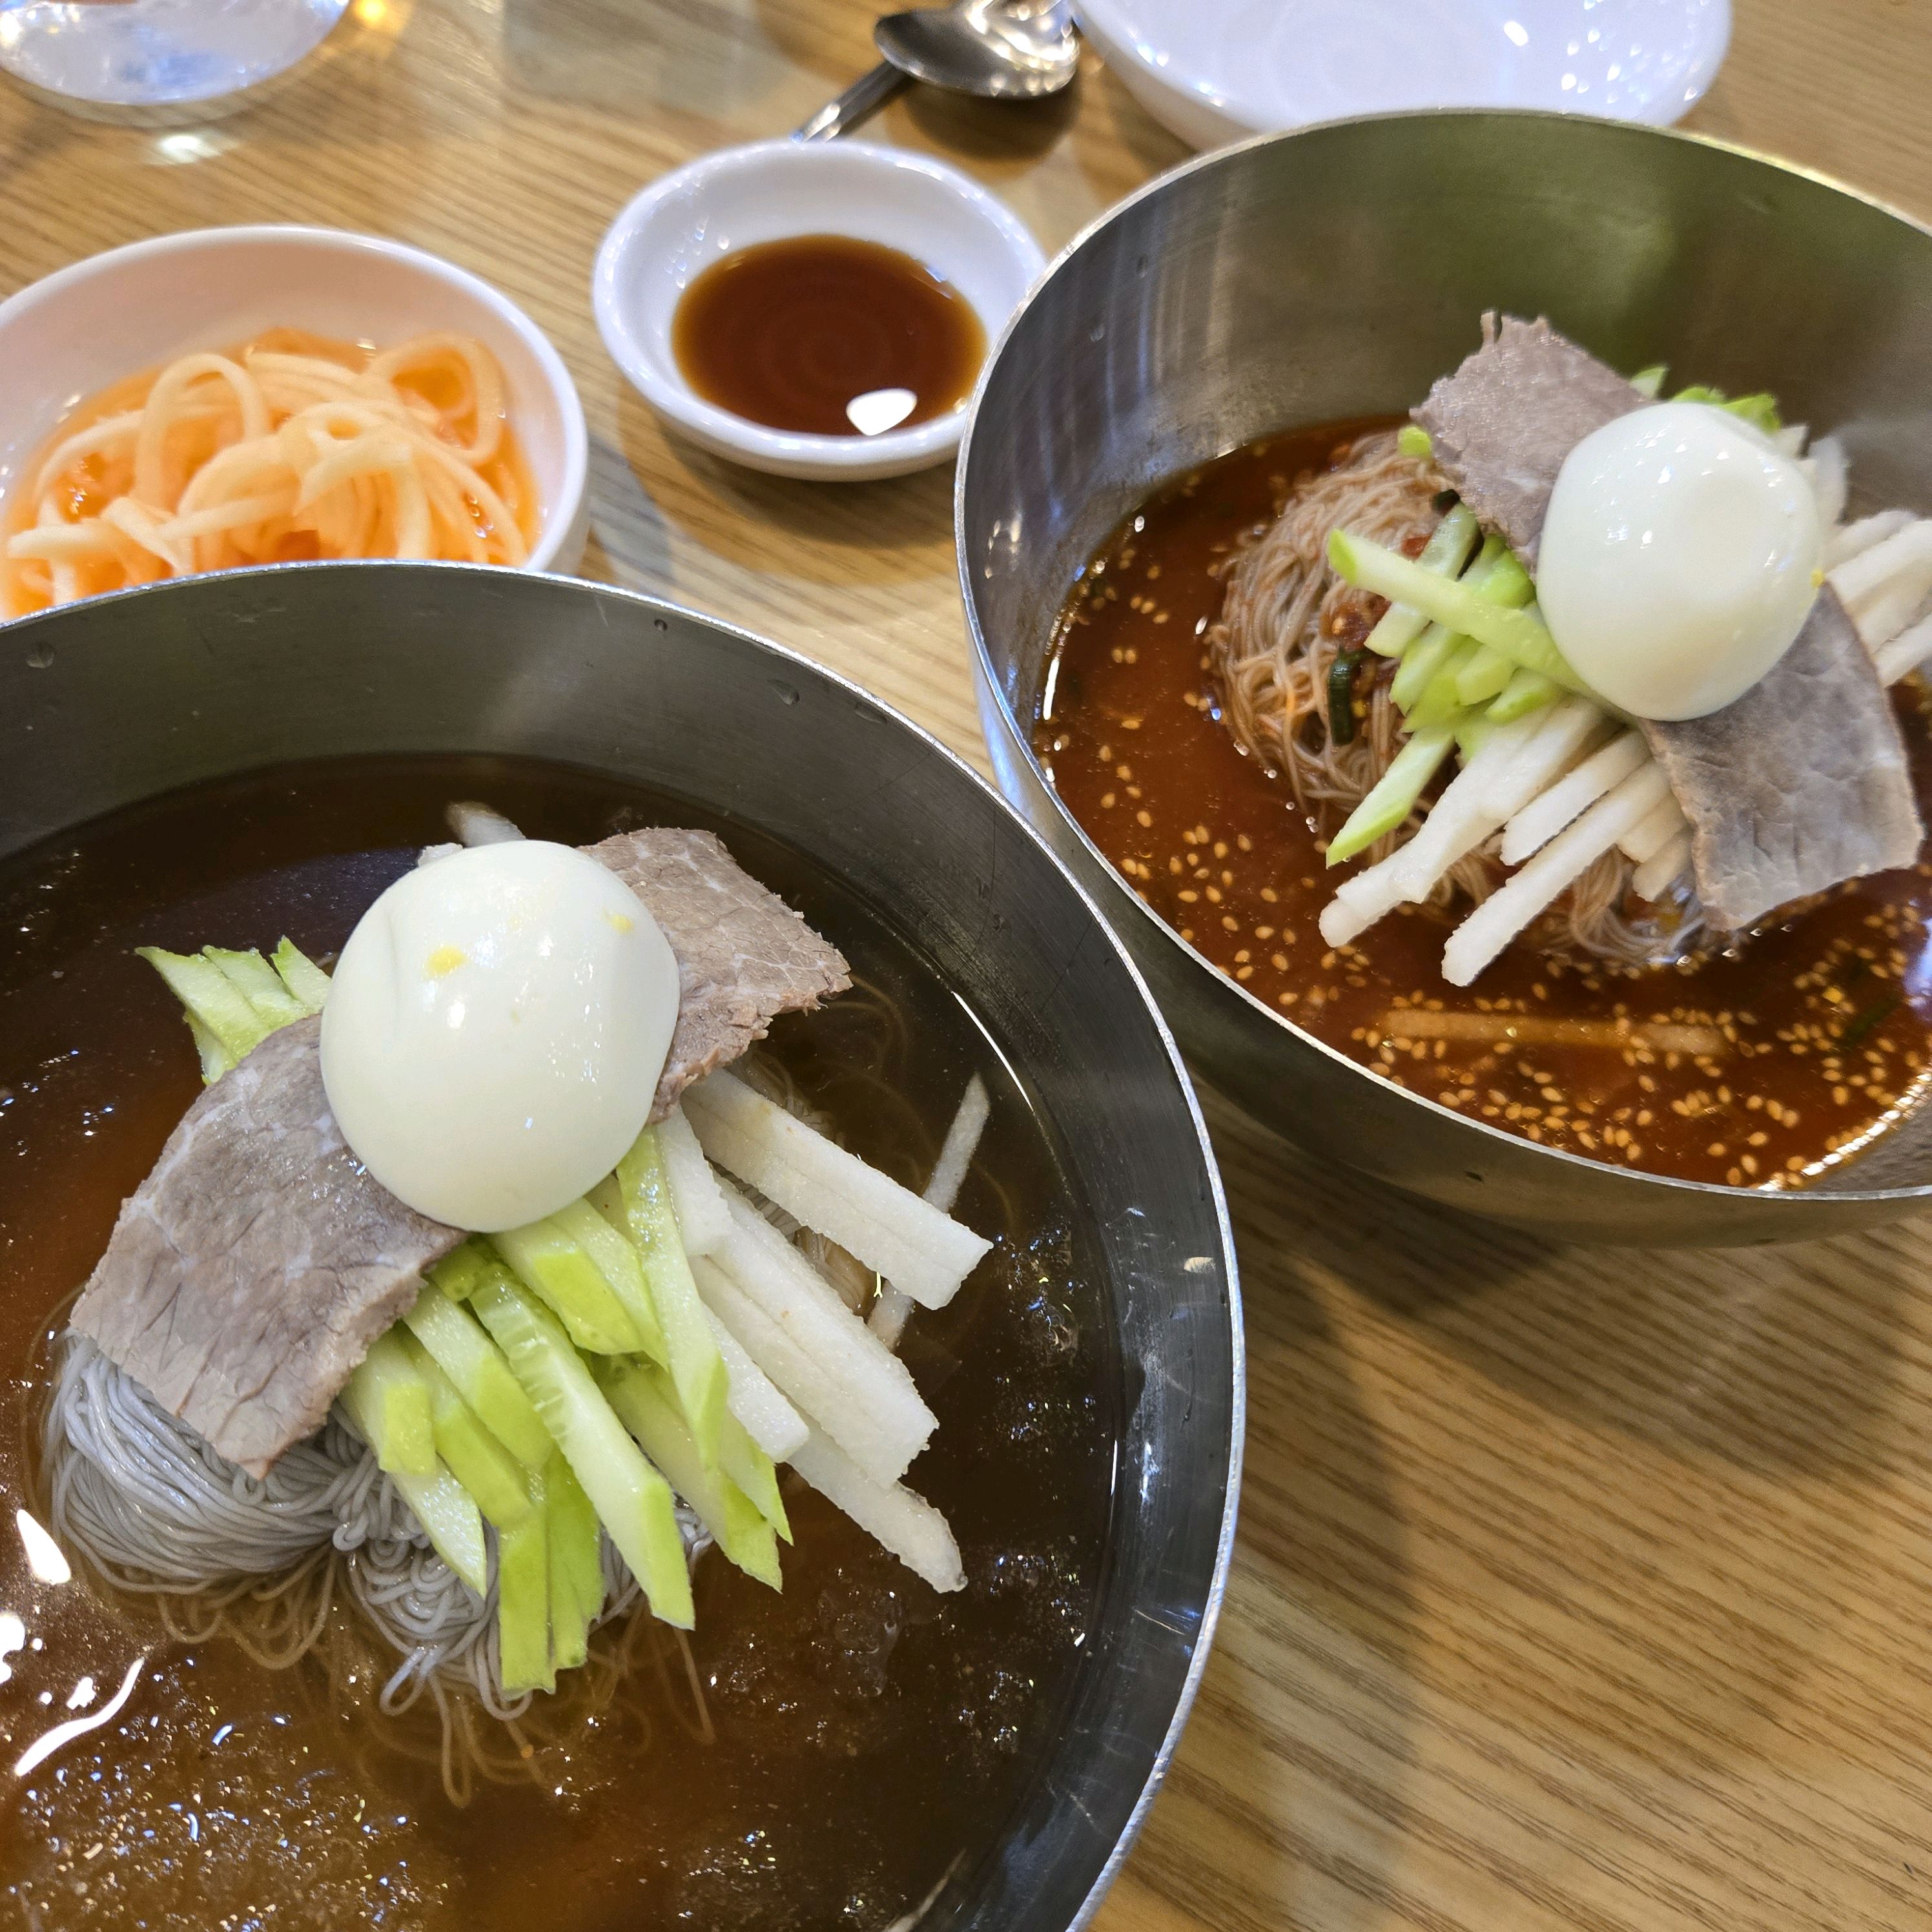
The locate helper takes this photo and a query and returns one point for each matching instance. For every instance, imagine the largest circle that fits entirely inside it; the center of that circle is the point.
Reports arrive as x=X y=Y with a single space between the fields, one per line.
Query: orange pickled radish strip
x=289 y=446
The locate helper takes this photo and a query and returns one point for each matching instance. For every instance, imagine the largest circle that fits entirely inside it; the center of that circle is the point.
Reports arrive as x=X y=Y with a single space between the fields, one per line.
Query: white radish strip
x=1434 y=849
x=889 y=1229
x=1570 y=729
x=1455 y=825
x=1504 y=913
x=1907 y=652
x=834 y=1402
x=1855 y=539
x=1519 y=760
x=825 y=1360
x=1369 y=895
x=481 y=824
x=1645 y=840
x=1791 y=438
x=1545 y=815
x=761 y=1411
x=1341 y=922
x=890 y=1312
x=906 y=1525
x=1662 y=869
x=1883 y=586
x=703 y=1223
x=1830 y=478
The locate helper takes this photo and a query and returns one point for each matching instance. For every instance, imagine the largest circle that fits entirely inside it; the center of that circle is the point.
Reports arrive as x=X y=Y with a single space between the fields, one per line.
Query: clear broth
x=866 y=1737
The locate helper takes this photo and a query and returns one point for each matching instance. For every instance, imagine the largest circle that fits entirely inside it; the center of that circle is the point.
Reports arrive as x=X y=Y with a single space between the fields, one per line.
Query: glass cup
x=135 y=55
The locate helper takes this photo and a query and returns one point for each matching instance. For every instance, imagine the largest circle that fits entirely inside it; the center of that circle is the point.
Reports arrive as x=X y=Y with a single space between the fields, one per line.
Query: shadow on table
x=991 y=135
x=1304 y=1737
x=888 y=531
x=1777 y=1359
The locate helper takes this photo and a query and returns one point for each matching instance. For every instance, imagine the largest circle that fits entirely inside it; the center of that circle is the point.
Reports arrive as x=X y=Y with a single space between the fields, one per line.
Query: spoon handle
x=863 y=98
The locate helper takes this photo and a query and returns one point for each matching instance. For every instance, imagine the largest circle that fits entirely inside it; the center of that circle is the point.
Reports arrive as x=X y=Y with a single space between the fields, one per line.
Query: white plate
x=1215 y=70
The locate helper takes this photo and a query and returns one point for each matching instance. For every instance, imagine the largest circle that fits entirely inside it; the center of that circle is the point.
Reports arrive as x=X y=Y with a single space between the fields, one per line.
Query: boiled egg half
x=495 y=1030
x=1680 y=556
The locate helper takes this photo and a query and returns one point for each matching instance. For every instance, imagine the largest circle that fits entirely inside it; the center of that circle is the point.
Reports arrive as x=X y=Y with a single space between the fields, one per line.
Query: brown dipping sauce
x=820 y=1758
x=1827 y=1018
x=826 y=335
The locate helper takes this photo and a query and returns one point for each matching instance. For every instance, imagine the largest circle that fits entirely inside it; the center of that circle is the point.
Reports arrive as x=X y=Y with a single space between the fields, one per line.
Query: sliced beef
x=1802 y=783
x=1813 y=753
x=1503 y=424
x=249 y=1273
x=743 y=955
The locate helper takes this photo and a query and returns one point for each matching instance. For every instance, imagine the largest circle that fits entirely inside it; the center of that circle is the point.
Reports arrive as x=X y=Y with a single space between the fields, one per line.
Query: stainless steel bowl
x=106 y=703
x=1337 y=271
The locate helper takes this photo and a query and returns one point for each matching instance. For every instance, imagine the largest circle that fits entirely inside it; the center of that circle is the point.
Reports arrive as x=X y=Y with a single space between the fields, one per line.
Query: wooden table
x=1574 y=1590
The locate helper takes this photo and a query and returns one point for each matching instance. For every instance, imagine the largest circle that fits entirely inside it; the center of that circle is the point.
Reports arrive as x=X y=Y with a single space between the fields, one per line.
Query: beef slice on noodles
x=1803 y=782
x=743 y=955
x=248 y=1275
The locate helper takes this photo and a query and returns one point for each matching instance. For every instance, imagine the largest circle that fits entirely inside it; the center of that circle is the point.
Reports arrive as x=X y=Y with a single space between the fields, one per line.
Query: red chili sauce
x=1824 y=1018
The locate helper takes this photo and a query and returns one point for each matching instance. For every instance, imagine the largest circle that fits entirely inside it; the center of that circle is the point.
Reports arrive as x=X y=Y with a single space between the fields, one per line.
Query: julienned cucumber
x=617 y=1262
x=639 y=1201
x=1445 y=554
x=632 y=1500
x=574 y=1561
x=472 y=1455
x=301 y=976
x=555 y=1266
x=754 y=1471
x=259 y=983
x=523 y=1598
x=450 y=1520
x=1527 y=691
x=212 y=997
x=1440 y=703
x=576 y=1556
x=647 y=1408
x=1395 y=794
x=453 y=1337
x=390 y=1403
x=1486 y=675
x=1521 y=633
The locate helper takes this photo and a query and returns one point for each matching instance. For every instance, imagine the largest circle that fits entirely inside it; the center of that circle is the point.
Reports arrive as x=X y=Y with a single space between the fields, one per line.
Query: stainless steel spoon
x=1015 y=51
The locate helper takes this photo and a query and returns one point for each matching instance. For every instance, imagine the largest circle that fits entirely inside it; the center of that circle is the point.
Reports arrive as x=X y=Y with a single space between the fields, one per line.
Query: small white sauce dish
x=74 y=332
x=770 y=190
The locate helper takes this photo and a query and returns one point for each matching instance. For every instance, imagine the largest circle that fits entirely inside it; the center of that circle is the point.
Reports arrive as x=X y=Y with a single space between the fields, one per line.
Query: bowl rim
x=559 y=517
x=795 y=452
x=1102 y=928
x=1786 y=1200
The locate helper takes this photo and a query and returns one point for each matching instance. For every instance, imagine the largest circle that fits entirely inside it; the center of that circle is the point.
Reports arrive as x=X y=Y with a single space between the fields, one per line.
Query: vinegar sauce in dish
x=823 y=1756
x=827 y=335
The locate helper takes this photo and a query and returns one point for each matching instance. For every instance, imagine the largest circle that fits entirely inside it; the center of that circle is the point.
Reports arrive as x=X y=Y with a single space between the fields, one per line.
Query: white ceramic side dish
x=85 y=326
x=770 y=190
x=1214 y=71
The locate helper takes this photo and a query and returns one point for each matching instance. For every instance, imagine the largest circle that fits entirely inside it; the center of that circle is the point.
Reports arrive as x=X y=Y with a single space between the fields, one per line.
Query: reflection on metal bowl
x=1335 y=272
x=107 y=702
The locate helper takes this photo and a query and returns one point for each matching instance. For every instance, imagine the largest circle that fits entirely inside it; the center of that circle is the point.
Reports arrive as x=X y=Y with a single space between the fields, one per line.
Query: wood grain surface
x=1574 y=1590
